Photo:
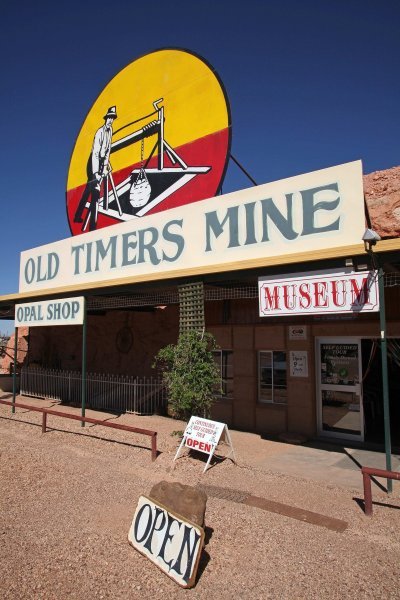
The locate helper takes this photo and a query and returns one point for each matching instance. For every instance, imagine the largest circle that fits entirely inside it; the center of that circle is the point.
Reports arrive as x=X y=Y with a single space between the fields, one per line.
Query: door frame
x=354 y=388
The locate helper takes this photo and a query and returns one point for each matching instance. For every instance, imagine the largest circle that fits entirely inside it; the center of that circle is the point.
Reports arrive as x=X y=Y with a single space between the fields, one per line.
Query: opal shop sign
x=67 y=311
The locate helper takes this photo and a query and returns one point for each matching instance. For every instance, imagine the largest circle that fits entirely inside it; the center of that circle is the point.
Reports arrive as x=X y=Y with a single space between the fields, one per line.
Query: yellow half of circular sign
x=157 y=137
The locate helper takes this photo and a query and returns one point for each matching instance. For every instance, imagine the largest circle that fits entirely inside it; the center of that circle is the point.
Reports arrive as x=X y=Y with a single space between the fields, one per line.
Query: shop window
x=224 y=360
x=272 y=377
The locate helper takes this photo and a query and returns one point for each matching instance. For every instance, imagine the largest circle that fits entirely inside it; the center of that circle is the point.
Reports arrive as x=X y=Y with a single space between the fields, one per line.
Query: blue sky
x=311 y=84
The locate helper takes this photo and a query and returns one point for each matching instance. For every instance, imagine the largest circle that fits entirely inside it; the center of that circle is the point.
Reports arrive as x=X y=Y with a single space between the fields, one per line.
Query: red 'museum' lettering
x=289 y=296
x=360 y=295
x=305 y=297
x=338 y=293
x=271 y=299
x=320 y=296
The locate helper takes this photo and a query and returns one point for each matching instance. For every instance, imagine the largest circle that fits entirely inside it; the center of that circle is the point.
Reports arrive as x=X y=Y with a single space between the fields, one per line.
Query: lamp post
x=370 y=238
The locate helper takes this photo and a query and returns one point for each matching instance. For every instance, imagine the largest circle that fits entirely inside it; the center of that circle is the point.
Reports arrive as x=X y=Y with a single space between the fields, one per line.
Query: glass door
x=340 y=411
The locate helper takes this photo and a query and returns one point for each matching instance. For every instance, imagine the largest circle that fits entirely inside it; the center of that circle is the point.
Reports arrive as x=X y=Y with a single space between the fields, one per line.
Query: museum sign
x=326 y=292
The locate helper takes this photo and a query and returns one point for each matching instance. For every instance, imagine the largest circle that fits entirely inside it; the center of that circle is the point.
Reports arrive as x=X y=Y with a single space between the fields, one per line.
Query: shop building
x=255 y=268
x=315 y=374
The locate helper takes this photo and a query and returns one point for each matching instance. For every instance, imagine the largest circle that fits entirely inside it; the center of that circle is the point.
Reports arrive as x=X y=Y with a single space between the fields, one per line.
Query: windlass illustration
x=145 y=187
x=169 y=146
x=98 y=171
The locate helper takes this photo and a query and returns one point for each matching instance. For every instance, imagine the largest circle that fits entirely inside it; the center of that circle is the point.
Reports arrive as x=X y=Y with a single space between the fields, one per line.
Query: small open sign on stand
x=204 y=435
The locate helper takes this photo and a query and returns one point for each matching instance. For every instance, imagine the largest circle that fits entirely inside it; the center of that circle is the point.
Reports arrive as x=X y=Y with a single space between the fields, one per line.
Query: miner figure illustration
x=97 y=171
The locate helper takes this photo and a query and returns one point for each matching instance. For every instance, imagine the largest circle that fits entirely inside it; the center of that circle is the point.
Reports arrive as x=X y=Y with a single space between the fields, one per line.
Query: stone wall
x=7 y=356
x=119 y=342
x=382 y=196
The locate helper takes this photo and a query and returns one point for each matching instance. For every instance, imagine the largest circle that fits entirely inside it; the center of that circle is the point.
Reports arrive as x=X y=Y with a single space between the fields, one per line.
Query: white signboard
x=169 y=541
x=204 y=435
x=67 y=311
x=298 y=363
x=297 y=332
x=319 y=292
x=306 y=213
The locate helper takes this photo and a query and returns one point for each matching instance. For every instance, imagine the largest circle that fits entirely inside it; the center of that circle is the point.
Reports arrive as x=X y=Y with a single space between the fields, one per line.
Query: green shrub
x=190 y=374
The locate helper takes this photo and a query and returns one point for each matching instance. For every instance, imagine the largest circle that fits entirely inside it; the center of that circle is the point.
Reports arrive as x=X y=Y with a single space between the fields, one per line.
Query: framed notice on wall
x=299 y=363
x=297 y=332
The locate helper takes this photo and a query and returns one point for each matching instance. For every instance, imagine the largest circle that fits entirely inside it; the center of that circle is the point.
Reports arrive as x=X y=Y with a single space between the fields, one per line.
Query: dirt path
x=68 y=497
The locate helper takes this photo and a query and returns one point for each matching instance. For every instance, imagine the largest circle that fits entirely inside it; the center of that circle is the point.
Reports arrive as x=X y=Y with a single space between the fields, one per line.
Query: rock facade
x=184 y=500
x=7 y=355
x=382 y=197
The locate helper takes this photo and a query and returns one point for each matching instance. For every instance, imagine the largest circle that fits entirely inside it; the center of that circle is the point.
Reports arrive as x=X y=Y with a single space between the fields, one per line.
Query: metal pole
x=84 y=362
x=161 y=138
x=15 y=369
x=385 y=378
x=253 y=181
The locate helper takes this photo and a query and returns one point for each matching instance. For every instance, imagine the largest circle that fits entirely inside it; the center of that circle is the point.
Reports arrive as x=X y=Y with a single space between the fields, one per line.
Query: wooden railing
x=367 y=473
x=57 y=413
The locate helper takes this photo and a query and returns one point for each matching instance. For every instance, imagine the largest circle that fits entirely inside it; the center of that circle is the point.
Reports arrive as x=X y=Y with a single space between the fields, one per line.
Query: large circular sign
x=157 y=137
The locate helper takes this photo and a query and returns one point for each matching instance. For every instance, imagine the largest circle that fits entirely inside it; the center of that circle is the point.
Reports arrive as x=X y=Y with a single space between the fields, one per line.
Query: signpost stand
x=204 y=435
x=84 y=331
x=15 y=369
x=385 y=377
x=61 y=311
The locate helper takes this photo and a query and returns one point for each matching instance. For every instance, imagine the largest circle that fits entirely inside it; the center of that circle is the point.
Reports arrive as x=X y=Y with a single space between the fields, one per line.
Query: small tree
x=190 y=374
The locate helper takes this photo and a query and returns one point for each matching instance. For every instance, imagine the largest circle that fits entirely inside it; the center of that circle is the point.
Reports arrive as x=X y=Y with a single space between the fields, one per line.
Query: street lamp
x=370 y=238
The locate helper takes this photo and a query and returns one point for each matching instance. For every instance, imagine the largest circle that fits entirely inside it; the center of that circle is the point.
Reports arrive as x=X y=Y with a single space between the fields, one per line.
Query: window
x=272 y=377
x=224 y=360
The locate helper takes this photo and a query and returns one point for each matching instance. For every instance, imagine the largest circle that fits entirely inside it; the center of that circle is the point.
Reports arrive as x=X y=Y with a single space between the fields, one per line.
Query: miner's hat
x=112 y=112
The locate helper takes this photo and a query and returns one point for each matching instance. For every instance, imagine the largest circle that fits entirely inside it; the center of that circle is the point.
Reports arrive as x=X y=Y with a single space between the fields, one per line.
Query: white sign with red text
x=327 y=292
x=204 y=435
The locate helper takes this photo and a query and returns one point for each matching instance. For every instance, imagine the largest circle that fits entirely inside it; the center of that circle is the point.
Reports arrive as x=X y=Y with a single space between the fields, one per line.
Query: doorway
x=372 y=390
x=340 y=406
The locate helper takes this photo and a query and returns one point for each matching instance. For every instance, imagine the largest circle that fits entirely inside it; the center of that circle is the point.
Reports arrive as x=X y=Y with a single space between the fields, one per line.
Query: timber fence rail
x=57 y=413
x=367 y=473
x=121 y=393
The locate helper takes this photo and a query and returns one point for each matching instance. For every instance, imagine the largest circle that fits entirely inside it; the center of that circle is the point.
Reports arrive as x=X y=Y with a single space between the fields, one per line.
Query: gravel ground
x=68 y=498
